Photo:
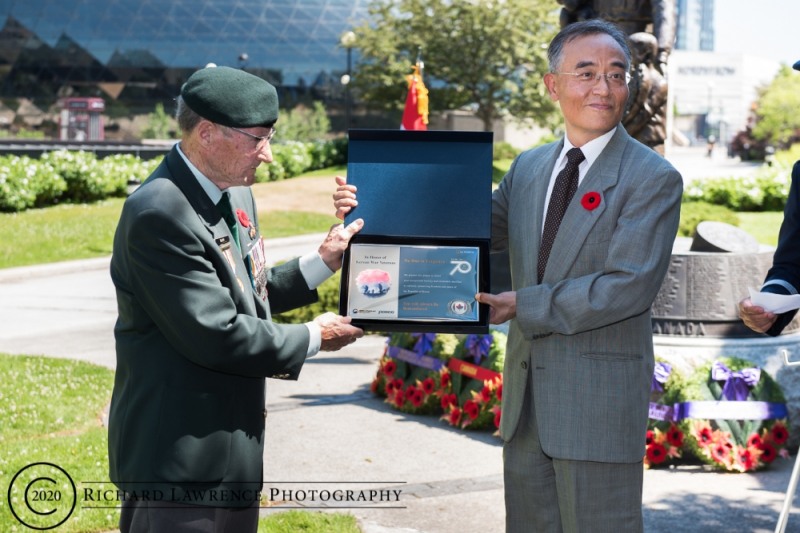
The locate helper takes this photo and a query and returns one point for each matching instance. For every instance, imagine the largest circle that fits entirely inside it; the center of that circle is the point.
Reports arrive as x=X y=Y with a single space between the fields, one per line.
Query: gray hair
x=569 y=33
x=187 y=119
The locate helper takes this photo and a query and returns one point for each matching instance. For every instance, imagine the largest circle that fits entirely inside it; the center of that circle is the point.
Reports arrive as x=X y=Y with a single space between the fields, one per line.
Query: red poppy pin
x=590 y=201
x=244 y=220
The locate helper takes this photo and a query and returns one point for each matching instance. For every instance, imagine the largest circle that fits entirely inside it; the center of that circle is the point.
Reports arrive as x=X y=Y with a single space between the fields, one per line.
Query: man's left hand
x=502 y=307
x=332 y=248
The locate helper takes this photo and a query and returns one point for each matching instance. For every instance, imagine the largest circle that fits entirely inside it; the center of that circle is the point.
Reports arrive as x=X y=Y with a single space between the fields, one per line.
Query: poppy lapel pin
x=591 y=201
x=244 y=220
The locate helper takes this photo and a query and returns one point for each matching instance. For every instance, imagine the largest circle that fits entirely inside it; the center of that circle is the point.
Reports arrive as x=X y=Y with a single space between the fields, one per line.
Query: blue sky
x=767 y=28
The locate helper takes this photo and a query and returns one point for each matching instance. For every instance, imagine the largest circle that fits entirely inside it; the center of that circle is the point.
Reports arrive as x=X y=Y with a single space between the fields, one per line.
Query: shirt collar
x=213 y=192
x=591 y=150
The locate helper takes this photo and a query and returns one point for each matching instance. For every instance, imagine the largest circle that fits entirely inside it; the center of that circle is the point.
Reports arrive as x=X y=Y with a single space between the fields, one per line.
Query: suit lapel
x=579 y=221
x=212 y=220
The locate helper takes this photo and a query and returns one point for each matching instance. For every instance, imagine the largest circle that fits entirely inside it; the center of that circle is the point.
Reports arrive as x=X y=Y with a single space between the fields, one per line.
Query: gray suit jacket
x=584 y=333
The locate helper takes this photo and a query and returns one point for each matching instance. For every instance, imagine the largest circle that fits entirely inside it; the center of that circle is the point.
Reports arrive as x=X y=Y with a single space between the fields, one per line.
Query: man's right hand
x=756 y=317
x=337 y=331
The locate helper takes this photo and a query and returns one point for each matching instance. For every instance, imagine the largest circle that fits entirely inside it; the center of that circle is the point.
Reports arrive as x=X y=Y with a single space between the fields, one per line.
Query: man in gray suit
x=579 y=359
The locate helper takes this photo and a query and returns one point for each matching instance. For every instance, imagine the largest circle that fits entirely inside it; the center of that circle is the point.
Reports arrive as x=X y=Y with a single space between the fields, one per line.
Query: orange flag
x=415 y=115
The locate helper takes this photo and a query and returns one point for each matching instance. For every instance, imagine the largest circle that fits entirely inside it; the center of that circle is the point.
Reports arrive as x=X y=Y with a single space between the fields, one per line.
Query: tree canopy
x=777 y=121
x=489 y=55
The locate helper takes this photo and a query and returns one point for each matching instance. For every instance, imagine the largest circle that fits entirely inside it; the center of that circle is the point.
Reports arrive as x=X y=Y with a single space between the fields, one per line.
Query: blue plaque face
x=425 y=198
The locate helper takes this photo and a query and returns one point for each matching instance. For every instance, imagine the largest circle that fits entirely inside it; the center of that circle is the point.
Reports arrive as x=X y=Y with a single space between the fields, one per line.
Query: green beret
x=231 y=97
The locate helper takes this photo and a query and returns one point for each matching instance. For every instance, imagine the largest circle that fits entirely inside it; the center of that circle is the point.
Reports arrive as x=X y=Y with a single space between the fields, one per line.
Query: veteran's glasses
x=260 y=141
x=589 y=78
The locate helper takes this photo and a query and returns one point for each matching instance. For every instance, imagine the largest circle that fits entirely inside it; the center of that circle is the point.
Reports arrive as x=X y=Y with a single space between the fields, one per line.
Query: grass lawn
x=82 y=231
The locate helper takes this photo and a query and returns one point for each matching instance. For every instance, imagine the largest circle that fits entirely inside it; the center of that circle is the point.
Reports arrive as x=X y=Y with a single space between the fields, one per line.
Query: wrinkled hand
x=755 y=317
x=502 y=307
x=337 y=331
x=344 y=199
x=332 y=248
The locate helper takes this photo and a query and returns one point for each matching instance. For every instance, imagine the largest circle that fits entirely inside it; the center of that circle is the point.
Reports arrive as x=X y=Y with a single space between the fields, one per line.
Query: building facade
x=695 y=25
x=137 y=52
x=713 y=93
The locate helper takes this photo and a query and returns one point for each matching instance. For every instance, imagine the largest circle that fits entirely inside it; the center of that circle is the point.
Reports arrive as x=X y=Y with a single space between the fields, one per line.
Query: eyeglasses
x=261 y=141
x=614 y=79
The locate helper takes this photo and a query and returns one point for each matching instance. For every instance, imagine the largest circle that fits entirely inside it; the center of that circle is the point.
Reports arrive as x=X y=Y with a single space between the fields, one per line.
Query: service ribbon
x=724 y=410
x=425 y=361
x=472 y=371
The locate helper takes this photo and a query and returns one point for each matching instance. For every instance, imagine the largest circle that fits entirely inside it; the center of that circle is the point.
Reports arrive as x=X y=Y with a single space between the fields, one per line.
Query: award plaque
x=425 y=197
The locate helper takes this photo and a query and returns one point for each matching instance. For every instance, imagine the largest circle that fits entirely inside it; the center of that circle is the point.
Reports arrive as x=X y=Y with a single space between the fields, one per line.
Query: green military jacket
x=194 y=342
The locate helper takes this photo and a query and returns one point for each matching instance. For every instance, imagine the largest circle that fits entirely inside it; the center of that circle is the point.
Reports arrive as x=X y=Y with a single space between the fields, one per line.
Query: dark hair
x=576 y=30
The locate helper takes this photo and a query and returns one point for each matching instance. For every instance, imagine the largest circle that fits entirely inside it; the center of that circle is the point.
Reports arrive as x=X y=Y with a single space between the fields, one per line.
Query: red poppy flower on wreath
x=705 y=437
x=675 y=436
x=428 y=385
x=754 y=440
x=768 y=453
x=649 y=437
x=486 y=394
x=779 y=433
x=591 y=201
x=244 y=220
x=417 y=398
x=656 y=453
x=410 y=392
x=497 y=414
x=455 y=416
x=399 y=397
x=389 y=367
x=748 y=458
x=472 y=409
x=445 y=380
x=720 y=452
x=499 y=392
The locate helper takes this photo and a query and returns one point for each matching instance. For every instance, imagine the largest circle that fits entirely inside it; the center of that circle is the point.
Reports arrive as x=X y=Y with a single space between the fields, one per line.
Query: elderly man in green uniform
x=194 y=337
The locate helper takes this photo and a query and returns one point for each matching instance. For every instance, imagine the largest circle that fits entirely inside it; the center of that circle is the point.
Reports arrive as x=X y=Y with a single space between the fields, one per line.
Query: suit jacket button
x=265 y=414
x=524 y=365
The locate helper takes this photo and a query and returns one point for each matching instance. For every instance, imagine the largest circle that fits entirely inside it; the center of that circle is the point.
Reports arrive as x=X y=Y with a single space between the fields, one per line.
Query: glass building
x=138 y=52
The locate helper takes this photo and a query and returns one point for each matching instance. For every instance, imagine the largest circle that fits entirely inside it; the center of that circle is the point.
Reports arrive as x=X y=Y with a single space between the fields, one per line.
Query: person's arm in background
x=784 y=276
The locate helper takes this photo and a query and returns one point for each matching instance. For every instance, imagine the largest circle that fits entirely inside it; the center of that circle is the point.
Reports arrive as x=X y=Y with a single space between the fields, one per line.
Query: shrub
x=304 y=124
x=693 y=213
x=328 y=301
x=504 y=150
x=25 y=182
x=767 y=190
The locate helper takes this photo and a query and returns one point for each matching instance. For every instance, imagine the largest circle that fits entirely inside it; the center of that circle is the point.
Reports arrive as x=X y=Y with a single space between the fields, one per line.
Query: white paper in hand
x=775 y=303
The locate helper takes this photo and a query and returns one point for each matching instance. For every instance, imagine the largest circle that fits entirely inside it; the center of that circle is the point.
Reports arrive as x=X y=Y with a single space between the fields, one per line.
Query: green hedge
x=77 y=176
x=66 y=176
x=766 y=190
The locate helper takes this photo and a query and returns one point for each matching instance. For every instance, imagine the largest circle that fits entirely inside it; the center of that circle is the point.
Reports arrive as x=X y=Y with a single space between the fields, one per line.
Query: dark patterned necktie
x=563 y=191
x=225 y=208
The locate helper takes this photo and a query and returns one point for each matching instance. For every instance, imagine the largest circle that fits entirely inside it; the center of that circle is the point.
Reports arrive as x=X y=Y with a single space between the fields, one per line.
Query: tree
x=487 y=54
x=777 y=121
